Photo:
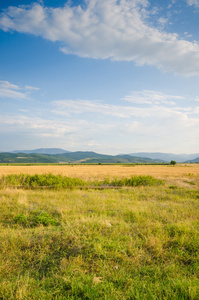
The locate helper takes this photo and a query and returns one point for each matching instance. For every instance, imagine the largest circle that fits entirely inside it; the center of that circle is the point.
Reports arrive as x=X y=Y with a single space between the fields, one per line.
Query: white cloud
x=8 y=85
x=193 y=3
x=10 y=90
x=6 y=93
x=160 y=107
x=150 y=97
x=38 y=126
x=196 y=111
x=107 y=29
x=31 y=88
x=162 y=21
x=187 y=35
x=71 y=133
x=65 y=107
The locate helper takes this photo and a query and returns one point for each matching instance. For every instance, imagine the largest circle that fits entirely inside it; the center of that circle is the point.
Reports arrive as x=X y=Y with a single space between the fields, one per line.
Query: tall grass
x=139 y=243
x=44 y=180
x=61 y=182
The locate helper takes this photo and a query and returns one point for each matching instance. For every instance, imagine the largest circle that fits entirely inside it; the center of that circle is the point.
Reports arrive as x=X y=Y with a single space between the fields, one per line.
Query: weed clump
x=141 y=180
x=42 y=218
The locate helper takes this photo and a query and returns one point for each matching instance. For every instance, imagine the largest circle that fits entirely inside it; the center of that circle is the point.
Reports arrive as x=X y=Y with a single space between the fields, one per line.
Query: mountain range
x=42 y=151
x=57 y=155
x=70 y=157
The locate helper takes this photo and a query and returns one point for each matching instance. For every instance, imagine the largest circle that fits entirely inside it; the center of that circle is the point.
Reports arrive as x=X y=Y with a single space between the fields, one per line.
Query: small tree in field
x=173 y=162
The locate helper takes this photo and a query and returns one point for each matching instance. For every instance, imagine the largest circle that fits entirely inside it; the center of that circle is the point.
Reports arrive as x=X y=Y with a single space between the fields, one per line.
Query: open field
x=135 y=243
x=101 y=171
x=180 y=174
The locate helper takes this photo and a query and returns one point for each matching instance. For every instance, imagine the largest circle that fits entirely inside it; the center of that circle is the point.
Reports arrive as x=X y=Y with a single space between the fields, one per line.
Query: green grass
x=138 y=243
x=63 y=182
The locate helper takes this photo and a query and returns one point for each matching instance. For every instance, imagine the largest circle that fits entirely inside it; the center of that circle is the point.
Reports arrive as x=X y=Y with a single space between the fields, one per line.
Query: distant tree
x=173 y=162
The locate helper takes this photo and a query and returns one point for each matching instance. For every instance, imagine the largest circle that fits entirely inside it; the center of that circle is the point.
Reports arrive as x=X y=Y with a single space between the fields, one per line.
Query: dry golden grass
x=87 y=172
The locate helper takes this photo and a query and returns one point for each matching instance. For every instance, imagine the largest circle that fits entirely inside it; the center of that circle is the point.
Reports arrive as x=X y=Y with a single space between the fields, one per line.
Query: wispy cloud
x=71 y=133
x=65 y=107
x=9 y=90
x=152 y=97
x=8 y=85
x=38 y=126
x=142 y=104
x=103 y=29
x=31 y=88
x=193 y=3
x=162 y=22
x=13 y=91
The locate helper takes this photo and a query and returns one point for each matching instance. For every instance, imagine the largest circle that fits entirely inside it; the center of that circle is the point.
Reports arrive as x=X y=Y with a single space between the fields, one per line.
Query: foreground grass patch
x=139 y=243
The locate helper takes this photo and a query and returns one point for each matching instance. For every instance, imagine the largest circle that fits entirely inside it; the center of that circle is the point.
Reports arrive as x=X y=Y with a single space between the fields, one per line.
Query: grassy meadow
x=129 y=242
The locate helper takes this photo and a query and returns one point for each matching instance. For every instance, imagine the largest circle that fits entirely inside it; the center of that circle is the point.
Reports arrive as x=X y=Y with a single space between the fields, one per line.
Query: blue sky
x=100 y=75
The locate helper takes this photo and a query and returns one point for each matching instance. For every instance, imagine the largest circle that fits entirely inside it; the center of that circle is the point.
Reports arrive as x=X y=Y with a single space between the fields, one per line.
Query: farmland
x=101 y=171
x=130 y=243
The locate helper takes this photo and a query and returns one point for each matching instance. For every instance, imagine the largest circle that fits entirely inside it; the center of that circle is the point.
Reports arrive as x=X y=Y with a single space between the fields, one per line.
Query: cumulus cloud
x=13 y=91
x=118 y=30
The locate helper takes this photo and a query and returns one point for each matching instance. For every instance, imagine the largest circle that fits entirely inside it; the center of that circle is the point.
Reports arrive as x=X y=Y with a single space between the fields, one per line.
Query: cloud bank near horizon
x=149 y=116
x=107 y=29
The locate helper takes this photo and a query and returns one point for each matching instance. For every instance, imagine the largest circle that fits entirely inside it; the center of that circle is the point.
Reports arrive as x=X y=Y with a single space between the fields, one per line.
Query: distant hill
x=71 y=157
x=196 y=160
x=25 y=158
x=92 y=157
x=57 y=155
x=166 y=157
x=43 y=151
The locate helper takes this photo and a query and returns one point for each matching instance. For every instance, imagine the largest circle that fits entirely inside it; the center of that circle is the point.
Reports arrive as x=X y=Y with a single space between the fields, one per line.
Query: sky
x=110 y=76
